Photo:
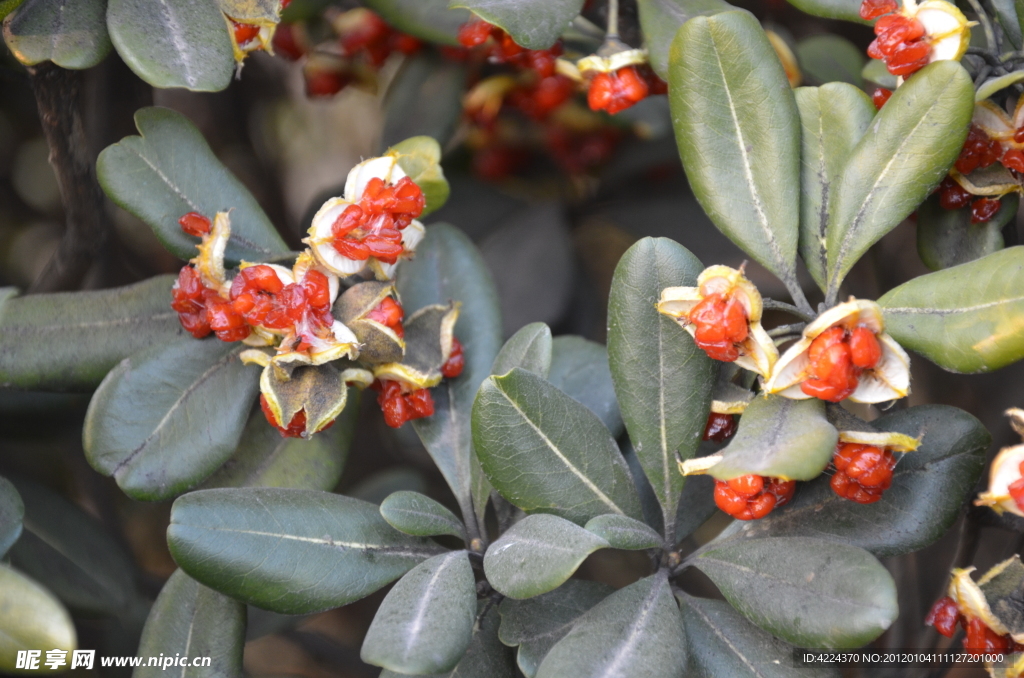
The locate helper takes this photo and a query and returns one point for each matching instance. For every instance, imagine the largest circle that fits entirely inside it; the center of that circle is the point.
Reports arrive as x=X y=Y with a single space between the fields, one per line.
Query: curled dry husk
x=320 y=235
x=429 y=338
x=378 y=343
x=995 y=180
x=888 y=380
x=757 y=352
x=1005 y=470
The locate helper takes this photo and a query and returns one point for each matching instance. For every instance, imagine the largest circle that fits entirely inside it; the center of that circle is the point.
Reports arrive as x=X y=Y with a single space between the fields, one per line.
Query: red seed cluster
x=374 y=40
x=1016 y=488
x=900 y=43
x=456 y=361
x=880 y=96
x=244 y=32
x=863 y=472
x=540 y=99
x=202 y=310
x=577 y=152
x=979 y=640
x=752 y=496
x=618 y=90
x=390 y=314
x=721 y=324
x=837 y=358
x=289 y=42
x=373 y=226
x=398 y=406
x=979 y=151
x=720 y=427
x=500 y=48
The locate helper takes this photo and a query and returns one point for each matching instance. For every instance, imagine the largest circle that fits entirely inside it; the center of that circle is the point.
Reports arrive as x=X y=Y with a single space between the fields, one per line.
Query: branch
x=57 y=97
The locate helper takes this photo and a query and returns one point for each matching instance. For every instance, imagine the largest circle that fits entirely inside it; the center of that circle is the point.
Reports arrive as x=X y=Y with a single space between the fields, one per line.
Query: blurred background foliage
x=550 y=237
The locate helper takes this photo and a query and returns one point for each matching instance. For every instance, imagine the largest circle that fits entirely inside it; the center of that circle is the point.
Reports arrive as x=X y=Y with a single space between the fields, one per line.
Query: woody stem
x=613 y=19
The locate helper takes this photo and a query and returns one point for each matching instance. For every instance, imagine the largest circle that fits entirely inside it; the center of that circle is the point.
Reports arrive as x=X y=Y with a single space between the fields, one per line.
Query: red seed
x=943 y=616
x=1013 y=159
x=195 y=224
x=984 y=209
x=865 y=351
x=747 y=486
x=456 y=361
x=880 y=96
x=872 y=9
x=953 y=196
x=244 y=32
x=909 y=58
x=474 y=33
x=720 y=427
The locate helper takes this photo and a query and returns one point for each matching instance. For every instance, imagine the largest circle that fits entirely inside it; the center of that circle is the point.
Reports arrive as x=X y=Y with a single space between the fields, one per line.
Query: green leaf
x=8 y=6
x=579 y=368
x=738 y=132
x=533 y=24
x=426 y=621
x=170 y=171
x=696 y=505
x=290 y=551
x=486 y=655
x=30 y=619
x=70 y=340
x=947 y=238
x=537 y=623
x=830 y=58
x=70 y=33
x=906 y=152
x=420 y=516
x=264 y=458
x=624 y=533
x=723 y=644
x=537 y=555
x=995 y=85
x=426 y=19
x=781 y=438
x=424 y=98
x=194 y=621
x=847 y=10
x=834 y=117
x=529 y=348
x=169 y=416
x=662 y=380
x=660 y=20
x=68 y=552
x=875 y=71
x=12 y=514
x=636 y=631
x=173 y=44
x=1007 y=15
x=965 y=318
x=521 y=421
x=809 y=592
x=449 y=267
x=251 y=10
x=420 y=158
x=929 y=487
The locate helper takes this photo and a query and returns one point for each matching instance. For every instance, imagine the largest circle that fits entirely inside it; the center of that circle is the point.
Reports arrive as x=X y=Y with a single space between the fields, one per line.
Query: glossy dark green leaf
x=660 y=20
x=779 y=437
x=875 y=71
x=830 y=58
x=290 y=551
x=534 y=24
x=69 y=552
x=905 y=153
x=696 y=505
x=738 y=132
x=30 y=619
x=929 y=487
x=427 y=19
x=521 y=421
x=537 y=555
x=624 y=533
x=662 y=380
x=636 y=631
x=809 y=592
x=537 y=623
x=847 y=10
x=833 y=117
x=486 y=655
x=169 y=416
x=723 y=644
x=426 y=621
x=419 y=515
x=424 y=98
x=12 y=513
x=264 y=458
x=449 y=267
x=170 y=171
x=70 y=33
x=184 y=44
x=69 y=341
x=947 y=237
x=529 y=348
x=969 y=318
x=191 y=620
x=579 y=367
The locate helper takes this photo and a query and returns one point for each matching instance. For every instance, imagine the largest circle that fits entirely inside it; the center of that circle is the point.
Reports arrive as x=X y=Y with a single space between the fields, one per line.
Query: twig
x=986 y=24
x=783 y=330
x=773 y=305
x=57 y=97
x=613 y=20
